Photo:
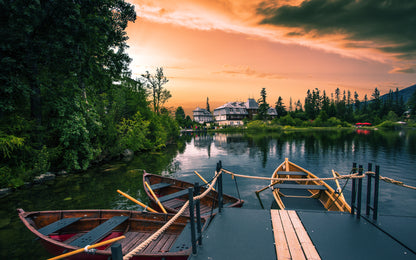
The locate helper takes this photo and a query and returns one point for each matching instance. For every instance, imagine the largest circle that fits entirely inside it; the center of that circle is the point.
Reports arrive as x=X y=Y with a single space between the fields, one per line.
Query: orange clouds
x=221 y=50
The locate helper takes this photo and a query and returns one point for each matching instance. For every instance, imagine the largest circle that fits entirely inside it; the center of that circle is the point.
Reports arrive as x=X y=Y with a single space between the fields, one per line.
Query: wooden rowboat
x=62 y=231
x=173 y=193
x=297 y=194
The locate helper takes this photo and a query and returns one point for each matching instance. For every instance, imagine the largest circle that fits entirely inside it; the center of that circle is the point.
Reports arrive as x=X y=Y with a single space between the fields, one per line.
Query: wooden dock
x=286 y=234
x=290 y=237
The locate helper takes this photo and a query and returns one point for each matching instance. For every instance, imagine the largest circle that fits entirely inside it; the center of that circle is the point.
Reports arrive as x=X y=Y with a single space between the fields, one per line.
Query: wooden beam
x=304 y=239
x=294 y=245
x=282 y=250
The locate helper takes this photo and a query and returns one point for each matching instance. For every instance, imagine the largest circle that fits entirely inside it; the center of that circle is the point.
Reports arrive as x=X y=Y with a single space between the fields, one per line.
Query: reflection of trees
x=235 y=144
x=204 y=140
x=336 y=142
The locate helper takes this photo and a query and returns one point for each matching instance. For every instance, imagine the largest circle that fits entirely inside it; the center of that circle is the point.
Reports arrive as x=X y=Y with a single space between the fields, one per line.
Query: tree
x=180 y=116
x=412 y=103
x=208 y=105
x=155 y=83
x=376 y=101
x=263 y=106
x=357 y=102
x=280 y=108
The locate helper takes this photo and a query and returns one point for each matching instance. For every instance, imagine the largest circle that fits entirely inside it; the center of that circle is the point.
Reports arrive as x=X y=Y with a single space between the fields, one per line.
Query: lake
x=248 y=154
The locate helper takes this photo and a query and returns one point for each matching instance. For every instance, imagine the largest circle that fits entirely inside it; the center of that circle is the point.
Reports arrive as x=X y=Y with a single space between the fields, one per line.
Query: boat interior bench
x=291 y=173
x=299 y=186
x=99 y=232
x=57 y=225
x=173 y=195
x=160 y=185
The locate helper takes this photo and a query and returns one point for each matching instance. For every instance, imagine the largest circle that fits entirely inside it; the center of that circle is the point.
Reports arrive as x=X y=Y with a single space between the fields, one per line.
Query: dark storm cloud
x=390 y=25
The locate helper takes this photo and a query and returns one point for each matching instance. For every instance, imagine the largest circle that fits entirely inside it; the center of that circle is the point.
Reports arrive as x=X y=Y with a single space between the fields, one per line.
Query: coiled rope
x=155 y=235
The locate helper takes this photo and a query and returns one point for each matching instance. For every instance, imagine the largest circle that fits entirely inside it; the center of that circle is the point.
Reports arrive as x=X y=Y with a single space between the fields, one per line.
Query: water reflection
x=251 y=154
x=317 y=151
x=342 y=143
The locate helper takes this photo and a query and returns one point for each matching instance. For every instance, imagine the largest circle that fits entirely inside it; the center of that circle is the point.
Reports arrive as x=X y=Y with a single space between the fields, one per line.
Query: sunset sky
x=228 y=50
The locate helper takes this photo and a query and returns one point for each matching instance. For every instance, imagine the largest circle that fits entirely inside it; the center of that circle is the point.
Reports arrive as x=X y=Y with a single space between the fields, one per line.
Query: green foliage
x=256 y=125
x=391 y=116
x=263 y=106
x=389 y=125
x=76 y=139
x=287 y=120
x=180 y=116
x=9 y=143
x=133 y=133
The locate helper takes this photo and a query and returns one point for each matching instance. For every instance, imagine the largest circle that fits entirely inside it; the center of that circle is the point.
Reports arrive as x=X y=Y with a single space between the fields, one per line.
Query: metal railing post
x=368 y=206
x=376 y=190
x=116 y=252
x=192 y=219
x=220 y=202
x=360 y=191
x=198 y=213
x=353 y=191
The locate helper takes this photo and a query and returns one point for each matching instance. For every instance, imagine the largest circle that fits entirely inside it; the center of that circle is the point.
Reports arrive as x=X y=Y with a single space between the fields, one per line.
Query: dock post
x=220 y=202
x=192 y=219
x=368 y=204
x=198 y=213
x=353 y=191
x=116 y=252
x=376 y=189
x=360 y=191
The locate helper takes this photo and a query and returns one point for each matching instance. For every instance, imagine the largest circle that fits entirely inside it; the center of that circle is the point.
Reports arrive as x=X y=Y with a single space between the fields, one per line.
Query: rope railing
x=340 y=177
x=155 y=235
x=349 y=176
x=392 y=181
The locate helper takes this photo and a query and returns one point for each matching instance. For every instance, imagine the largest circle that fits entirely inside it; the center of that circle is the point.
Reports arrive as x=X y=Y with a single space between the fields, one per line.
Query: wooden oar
x=268 y=186
x=136 y=201
x=202 y=178
x=86 y=248
x=155 y=197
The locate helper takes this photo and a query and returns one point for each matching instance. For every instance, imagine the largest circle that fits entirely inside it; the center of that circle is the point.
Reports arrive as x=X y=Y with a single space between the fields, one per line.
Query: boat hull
x=208 y=204
x=137 y=228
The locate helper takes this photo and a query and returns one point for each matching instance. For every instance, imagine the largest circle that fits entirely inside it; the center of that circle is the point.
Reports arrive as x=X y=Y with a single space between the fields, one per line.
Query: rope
x=170 y=222
x=340 y=177
x=392 y=181
x=349 y=176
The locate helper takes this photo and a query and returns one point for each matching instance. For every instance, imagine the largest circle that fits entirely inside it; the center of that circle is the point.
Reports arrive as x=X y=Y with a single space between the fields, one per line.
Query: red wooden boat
x=173 y=193
x=62 y=231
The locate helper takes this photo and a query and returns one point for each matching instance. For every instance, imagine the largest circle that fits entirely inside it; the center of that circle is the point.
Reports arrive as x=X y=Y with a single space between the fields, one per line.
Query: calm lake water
x=248 y=154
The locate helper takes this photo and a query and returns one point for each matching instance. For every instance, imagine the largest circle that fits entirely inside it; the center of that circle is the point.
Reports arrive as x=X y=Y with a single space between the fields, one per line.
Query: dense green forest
x=67 y=96
x=342 y=109
x=337 y=110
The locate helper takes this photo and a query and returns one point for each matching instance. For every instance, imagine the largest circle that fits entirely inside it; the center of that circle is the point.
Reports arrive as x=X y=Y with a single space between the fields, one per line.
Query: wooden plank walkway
x=291 y=239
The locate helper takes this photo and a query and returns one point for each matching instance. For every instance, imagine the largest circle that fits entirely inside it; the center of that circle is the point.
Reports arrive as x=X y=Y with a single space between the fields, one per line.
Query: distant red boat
x=363 y=124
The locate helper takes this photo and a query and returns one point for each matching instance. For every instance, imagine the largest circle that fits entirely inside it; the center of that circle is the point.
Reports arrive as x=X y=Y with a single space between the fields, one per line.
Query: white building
x=202 y=115
x=233 y=113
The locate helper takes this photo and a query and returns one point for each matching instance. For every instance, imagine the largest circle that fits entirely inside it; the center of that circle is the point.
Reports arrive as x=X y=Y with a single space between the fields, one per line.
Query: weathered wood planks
x=291 y=239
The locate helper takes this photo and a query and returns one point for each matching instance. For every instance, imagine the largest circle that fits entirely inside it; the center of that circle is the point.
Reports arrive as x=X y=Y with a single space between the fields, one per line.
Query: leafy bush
x=133 y=133
x=388 y=125
x=257 y=125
